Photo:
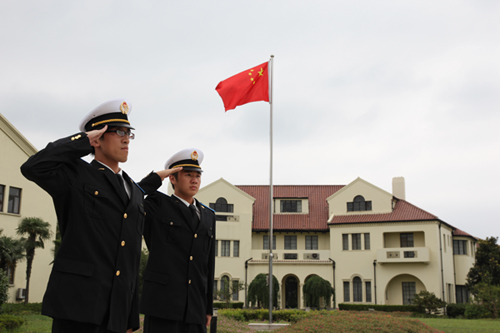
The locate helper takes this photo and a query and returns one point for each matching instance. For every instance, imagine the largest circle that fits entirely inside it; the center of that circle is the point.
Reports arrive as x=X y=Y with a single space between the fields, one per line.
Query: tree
x=487 y=265
x=11 y=251
x=427 y=302
x=258 y=291
x=315 y=289
x=487 y=296
x=37 y=231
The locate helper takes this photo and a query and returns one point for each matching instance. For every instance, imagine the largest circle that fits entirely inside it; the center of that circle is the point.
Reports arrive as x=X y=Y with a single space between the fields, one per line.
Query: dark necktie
x=122 y=186
x=194 y=216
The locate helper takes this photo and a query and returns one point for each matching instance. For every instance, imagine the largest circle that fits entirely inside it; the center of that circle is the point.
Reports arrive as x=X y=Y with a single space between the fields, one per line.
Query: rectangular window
x=311 y=242
x=225 y=248
x=265 y=244
x=345 y=242
x=347 y=296
x=291 y=206
x=291 y=242
x=462 y=294
x=236 y=248
x=460 y=247
x=357 y=290
x=236 y=291
x=215 y=289
x=216 y=248
x=367 y=241
x=14 y=200
x=292 y=256
x=368 y=288
x=356 y=241
x=409 y=292
x=2 y=192
x=406 y=239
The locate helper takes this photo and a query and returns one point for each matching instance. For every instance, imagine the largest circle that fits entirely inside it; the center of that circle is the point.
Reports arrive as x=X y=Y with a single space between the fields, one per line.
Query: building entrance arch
x=291 y=292
x=401 y=289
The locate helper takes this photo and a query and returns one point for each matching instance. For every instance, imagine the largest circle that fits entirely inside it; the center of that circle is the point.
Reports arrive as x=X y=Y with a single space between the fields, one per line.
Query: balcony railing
x=403 y=255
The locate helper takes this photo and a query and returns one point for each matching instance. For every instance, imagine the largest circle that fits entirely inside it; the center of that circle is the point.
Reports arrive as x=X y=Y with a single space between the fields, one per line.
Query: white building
x=21 y=198
x=373 y=246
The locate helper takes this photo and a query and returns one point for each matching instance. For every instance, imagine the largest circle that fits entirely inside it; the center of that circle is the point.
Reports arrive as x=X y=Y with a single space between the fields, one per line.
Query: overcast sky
x=370 y=89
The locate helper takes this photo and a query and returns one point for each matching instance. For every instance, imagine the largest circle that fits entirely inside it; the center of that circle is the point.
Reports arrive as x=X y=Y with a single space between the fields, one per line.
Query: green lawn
x=463 y=325
x=42 y=324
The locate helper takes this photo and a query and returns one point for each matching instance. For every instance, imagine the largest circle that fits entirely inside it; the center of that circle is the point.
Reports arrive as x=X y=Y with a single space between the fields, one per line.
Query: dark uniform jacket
x=96 y=269
x=179 y=276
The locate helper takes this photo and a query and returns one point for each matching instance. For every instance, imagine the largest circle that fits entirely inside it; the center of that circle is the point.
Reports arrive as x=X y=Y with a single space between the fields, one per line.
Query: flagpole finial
x=272 y=55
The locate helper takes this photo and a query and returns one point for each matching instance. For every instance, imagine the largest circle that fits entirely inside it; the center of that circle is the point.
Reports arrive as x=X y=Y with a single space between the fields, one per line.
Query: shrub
x=385 y=308
x=476 y=311
x=4 y=288
x=8 y=322
x=456 y=310
x=262 y=314
x=428 y=302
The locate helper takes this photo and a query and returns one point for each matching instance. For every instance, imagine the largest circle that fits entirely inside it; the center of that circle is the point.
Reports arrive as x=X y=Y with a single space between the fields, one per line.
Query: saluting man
x=177 y=295
x=100 y=210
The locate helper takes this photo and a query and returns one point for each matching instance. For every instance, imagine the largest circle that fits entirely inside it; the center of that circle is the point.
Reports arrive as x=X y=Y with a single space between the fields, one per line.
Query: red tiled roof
x=403 y=211
x=317 y=218
x=458 y=232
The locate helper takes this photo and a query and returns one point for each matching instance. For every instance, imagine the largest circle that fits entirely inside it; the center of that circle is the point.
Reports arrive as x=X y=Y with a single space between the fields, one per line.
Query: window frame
x=2 y=196
x=290 y=242
x=265 y=239
x=14 y=201
x=460 y=247
x=225 y=248
x=405 y=241
x=311 y=242
x=291 y=206
x=236 y=248
x=356 y=241
x=357 y=289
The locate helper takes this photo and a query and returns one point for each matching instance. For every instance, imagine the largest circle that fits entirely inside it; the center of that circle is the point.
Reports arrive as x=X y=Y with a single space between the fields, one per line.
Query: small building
x=373 y=246
x=20 y=198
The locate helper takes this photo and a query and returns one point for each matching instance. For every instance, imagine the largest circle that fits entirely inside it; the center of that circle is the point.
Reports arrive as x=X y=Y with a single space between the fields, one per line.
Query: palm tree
x=11 y=251
x=37 y=231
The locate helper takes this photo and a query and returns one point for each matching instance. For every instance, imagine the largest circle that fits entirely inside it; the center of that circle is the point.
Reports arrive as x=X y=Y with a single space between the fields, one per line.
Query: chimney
x=398 y=187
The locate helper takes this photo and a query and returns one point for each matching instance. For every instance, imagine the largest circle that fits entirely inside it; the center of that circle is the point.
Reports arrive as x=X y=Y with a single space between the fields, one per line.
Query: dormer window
x=359 y=205
x=291 y=206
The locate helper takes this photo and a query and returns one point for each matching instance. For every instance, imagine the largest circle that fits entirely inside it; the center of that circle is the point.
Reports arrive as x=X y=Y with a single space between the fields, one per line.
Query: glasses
x=123 y=133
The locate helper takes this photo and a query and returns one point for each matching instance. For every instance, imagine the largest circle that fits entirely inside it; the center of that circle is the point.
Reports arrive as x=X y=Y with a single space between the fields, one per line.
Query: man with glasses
x=93 y=286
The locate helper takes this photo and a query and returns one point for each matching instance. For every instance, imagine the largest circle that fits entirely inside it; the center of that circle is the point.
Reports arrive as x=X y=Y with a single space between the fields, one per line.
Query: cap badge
x=124 y=107
x=194 y=155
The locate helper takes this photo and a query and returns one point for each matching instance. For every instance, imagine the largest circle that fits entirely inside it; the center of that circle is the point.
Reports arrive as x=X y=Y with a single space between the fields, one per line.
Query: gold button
x=191 y=258
x=123 y=243
x=144 y=213
x=96 y=192
x=117 y=273
x=171 y=223
x=189 y=281
x=125 y=215
x=73 y=138
x=195 y=235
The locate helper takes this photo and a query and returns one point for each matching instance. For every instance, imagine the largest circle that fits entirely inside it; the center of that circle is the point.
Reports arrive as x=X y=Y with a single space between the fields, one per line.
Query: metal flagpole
x=271 y=201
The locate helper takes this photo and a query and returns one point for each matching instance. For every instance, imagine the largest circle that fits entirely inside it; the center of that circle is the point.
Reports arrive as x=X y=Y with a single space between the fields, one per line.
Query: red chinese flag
x=248 y=86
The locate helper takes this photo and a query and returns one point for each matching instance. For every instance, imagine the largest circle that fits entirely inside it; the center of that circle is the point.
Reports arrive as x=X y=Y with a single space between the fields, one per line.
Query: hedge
x=386 y=308
x=21 y=308
x=9 y=322
x=263 y=314
x=225 y=305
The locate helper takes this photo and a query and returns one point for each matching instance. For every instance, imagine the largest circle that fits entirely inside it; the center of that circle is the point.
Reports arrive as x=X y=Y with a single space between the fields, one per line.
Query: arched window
x=359 y=204
x=221 y=206
x=224 y=286
x=357 y=290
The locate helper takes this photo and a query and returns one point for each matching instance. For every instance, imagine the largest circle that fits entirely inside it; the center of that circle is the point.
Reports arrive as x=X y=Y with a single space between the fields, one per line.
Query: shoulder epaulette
x=206 y=206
